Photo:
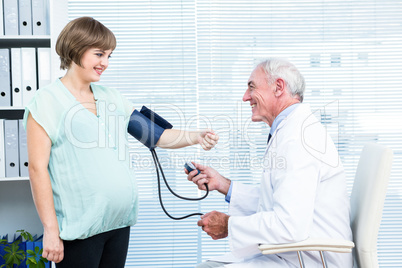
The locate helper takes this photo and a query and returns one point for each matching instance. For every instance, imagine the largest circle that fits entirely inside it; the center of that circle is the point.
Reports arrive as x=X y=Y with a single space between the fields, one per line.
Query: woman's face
x=94 y=62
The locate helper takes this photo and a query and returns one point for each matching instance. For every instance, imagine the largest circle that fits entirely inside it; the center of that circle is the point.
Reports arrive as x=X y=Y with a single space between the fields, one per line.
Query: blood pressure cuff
x=147 y=126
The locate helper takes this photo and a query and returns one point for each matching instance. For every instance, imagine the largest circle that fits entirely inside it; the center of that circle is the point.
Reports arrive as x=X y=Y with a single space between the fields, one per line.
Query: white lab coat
x=302 y=194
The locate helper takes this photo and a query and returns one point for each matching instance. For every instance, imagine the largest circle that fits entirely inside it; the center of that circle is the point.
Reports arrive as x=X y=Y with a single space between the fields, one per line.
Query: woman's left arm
x=174 y=139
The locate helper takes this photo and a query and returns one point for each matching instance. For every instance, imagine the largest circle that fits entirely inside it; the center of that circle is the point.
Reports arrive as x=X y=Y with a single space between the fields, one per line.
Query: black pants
x=103 y=250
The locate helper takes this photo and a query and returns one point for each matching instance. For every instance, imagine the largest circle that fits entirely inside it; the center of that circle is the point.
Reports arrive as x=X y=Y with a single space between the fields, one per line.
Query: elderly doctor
x=303 y=197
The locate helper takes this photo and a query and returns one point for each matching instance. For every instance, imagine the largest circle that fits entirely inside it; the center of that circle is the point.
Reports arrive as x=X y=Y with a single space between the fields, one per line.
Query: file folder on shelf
x=39 y=17
x=44 y=66
x=1 y=19
x=2 y=155
x=25 y=17
x=10 y=12
x=28 y=74
x=16 y=78
x=23 y=149
x=5 y=88
x=11 y=148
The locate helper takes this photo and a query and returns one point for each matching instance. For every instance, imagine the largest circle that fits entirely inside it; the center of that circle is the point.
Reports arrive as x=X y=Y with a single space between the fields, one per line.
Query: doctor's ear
x=280 y=85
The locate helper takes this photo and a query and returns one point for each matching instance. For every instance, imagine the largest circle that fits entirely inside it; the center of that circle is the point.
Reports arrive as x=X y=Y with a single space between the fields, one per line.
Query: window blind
x=190 y=61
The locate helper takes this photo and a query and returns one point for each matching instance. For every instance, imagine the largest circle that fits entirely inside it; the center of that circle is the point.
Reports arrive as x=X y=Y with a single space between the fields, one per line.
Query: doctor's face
x=261 y=96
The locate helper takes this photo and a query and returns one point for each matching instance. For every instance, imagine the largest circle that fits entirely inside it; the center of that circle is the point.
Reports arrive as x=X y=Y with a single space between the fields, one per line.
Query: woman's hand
x=208 y=139
x=53 y=247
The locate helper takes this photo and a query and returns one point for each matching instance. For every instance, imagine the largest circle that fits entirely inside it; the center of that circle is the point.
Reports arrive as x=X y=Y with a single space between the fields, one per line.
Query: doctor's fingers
x=201 y=184
x=207 y=230
x=195 y=178
x=201 y=223
x=211 y=173
x=212 y=234
x=216 y=237
x=204 y=219
x=191 y=175
x=201 y=181
x=200 y=167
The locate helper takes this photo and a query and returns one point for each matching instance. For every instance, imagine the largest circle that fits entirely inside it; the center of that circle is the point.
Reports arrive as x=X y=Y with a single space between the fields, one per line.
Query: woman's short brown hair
x=79 y=35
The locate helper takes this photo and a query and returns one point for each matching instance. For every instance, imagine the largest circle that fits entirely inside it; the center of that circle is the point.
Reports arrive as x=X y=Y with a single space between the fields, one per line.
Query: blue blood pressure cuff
x=147 y=126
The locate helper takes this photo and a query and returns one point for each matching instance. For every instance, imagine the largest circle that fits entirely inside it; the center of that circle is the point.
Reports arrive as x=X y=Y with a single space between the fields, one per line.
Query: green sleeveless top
x=94 y=189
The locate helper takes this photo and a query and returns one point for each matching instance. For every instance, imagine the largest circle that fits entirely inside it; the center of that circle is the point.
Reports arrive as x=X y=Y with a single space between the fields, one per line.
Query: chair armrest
x=310 y=244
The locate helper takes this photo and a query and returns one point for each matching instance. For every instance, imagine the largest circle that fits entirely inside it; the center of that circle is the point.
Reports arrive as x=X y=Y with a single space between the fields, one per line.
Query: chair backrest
x=367 y=201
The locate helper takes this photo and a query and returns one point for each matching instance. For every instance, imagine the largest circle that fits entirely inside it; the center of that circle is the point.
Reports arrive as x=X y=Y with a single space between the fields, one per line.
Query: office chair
x=367 y=202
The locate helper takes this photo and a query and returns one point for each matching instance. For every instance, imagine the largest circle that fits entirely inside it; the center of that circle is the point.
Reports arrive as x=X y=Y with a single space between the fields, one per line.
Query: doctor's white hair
x=280 y=68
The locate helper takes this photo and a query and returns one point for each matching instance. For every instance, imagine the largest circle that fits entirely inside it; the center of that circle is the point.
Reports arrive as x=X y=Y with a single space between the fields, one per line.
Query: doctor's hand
x=209 y=176
x=207 y=139
x=215 y=224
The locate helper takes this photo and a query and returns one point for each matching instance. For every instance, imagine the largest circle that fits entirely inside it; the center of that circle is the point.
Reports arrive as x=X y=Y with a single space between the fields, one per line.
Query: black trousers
x=107 y=249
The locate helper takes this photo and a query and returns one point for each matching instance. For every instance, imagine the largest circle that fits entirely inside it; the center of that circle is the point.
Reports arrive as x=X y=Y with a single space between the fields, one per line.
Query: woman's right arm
x=39 y=145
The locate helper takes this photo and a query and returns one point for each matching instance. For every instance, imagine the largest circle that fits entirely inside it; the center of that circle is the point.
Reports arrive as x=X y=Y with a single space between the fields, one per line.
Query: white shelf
x=8 y=41
x=17 y=209
x=11 y=108
x=25 y=37
x=12 y=112
x=14 y=179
